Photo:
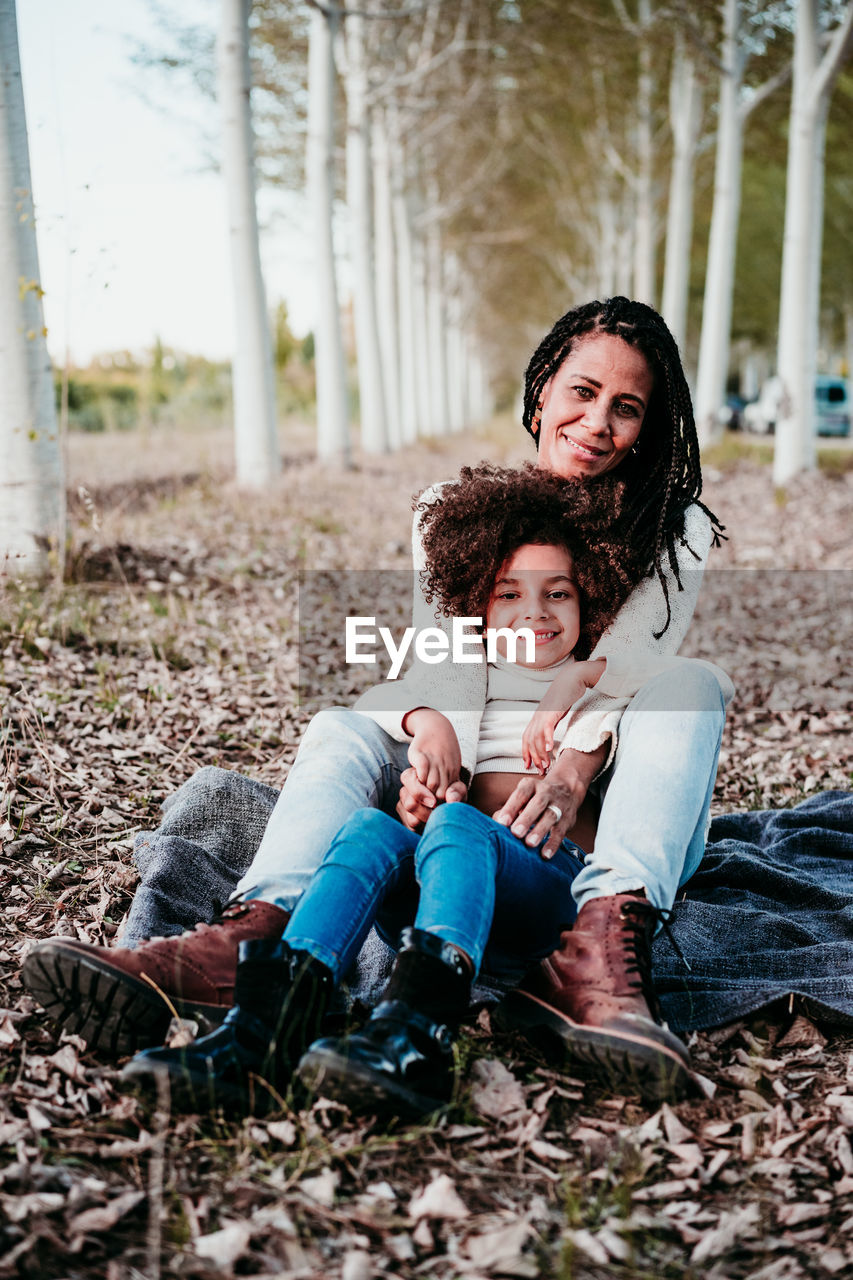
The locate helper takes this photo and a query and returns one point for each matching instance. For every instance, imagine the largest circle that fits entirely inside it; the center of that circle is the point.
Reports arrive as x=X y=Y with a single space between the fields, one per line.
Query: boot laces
x=639 y=918
x=221 y=915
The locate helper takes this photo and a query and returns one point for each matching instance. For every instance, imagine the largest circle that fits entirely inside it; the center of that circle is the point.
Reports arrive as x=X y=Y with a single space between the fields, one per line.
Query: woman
x=605 y=394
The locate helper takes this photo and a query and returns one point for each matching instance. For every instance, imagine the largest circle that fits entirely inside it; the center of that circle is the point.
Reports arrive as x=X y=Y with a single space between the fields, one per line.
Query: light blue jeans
x=656 y=794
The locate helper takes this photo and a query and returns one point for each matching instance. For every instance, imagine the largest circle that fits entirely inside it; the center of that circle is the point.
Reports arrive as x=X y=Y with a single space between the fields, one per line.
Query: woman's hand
x=540 y=807
x=435 y=763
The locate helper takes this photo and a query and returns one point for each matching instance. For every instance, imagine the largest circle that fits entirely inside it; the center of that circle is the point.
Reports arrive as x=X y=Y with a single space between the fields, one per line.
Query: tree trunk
x=386 y=278
x=374 y=424
x=720 y=272
x=436 y=330
x=255 y=438
x=32 y=483
x=644 y=242
x=333 y=439
x=685 y=109
x=405 y=300
x=423 y=369
x=800 y=297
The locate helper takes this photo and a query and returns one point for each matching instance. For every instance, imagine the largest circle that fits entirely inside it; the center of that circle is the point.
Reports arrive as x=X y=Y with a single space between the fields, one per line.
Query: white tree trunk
x=374 y=423
x=255 y=438
x=685 y=110
x=405 y=306
x=386 y=277
x=606 y=249
x=423 y=370
x=32 y=484
x=455 y=345
x=644 y=242
x=436 y=332
x=333 y=439
x=800 y=296
x=720 y=272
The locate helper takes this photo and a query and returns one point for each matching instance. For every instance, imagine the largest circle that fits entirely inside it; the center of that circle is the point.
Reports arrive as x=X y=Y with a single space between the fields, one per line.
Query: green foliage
x=119 y=393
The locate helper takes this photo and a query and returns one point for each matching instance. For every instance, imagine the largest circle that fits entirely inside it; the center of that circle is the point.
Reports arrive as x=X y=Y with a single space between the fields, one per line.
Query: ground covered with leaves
x=171 y=644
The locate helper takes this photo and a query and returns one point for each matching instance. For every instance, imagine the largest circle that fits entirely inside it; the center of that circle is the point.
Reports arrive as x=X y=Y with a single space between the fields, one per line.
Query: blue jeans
x=656 y=795
x=467 y=879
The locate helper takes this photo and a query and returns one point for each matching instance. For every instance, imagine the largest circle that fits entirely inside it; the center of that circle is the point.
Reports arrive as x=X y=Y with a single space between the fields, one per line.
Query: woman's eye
x=586 y=393
x=627 y=409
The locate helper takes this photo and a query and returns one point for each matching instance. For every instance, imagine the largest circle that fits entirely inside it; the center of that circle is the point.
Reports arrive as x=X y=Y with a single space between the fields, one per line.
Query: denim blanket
x=767 y=918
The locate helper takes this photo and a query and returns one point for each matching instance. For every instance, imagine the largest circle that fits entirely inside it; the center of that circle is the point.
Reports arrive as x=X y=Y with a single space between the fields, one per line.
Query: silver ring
x=556 y=810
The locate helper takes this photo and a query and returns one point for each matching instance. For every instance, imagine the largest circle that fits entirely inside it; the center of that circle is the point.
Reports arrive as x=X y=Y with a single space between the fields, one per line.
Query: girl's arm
x=457 y=690
x=594 y=719
x=563 y=692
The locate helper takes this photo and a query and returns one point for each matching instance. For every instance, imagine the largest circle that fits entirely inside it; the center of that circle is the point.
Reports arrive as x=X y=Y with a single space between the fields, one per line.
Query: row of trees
x=503 y=155
x=499 y=160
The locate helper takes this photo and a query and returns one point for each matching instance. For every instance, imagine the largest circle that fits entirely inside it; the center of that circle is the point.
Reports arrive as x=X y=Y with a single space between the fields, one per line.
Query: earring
x=536 y=423
x=635 y=448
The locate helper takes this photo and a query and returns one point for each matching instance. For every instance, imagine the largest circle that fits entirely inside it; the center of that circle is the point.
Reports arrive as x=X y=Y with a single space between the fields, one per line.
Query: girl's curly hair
x=476 y=522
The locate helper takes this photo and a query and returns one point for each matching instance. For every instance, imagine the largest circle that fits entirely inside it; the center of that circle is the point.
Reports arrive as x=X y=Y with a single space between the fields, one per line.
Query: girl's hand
x=435 y=763
x=527 y=812
x=564 y=691
x=537 y=741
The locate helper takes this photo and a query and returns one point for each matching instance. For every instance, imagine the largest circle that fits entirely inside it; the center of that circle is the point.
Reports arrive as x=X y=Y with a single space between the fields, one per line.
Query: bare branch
x=763 y=91
x=836 y=55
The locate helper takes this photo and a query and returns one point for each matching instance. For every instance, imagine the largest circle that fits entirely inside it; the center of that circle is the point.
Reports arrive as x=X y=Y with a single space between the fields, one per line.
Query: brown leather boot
x=120 y=1001
x=595 y=995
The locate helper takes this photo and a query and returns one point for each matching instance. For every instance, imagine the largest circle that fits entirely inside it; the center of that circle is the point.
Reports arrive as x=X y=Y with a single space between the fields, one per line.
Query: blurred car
x=730 y=415
x=832 y=407
x=760 y=415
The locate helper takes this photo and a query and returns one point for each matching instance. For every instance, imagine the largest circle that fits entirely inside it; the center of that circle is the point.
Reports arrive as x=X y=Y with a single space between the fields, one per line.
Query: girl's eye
x=559 y=595
x=508 y=595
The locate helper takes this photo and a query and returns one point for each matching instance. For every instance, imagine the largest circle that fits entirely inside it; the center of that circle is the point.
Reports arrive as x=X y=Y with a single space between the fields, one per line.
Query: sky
x=131 y=218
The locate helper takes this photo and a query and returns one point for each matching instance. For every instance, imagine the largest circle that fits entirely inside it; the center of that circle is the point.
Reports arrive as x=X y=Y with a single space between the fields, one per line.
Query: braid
x=664 y=477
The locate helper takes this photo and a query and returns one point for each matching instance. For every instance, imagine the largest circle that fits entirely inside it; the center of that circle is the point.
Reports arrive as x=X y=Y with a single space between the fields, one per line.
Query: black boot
x=402 y=1059
x=280 y=999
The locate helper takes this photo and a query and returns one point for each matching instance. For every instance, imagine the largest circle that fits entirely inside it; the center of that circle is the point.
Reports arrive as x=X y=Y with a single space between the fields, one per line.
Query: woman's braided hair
x=663 y=476
x=472 y=525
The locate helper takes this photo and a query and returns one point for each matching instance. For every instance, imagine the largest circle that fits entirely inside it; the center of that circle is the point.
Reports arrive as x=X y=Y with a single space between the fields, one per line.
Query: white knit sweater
x=459 y=690
x=514 y=692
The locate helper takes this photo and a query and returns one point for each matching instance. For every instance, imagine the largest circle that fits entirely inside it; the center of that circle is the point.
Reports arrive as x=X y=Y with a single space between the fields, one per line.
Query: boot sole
x=194 y=1093
x=335 y=1076
x=116 y=1014
x=646 y=1066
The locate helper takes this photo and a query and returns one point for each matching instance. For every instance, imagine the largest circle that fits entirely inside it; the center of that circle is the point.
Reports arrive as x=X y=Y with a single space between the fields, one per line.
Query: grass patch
x=833 y=461
x=734 y=448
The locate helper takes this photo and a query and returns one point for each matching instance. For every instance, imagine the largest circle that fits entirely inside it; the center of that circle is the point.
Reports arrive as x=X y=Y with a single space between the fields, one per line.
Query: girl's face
x=593 y=407
x=535 y=588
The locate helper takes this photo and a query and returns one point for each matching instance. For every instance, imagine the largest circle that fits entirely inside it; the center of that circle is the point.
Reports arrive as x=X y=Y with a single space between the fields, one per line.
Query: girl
x=469 y=891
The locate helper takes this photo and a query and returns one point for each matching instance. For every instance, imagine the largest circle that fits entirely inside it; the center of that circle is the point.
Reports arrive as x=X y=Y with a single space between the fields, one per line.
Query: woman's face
x=593 y=407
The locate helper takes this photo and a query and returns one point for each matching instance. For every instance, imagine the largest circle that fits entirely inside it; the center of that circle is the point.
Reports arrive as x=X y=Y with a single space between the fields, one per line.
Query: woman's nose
x=597 y=416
